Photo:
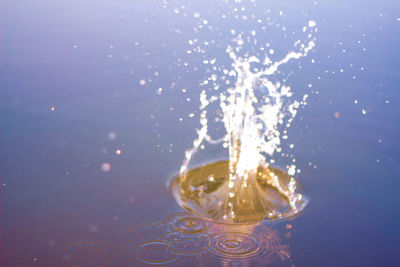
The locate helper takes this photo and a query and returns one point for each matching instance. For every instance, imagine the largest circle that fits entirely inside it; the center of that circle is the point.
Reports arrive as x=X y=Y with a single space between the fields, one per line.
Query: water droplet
x=311 y=23
x=106 y=167
x=112 y=136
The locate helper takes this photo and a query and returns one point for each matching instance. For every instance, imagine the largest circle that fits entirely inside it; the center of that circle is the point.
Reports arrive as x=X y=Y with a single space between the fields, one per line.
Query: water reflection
x=248 y=245
x=89 y=253
x=181 y=238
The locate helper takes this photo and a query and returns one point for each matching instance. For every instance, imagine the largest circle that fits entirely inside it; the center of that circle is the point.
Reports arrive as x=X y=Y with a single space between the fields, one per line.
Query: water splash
x=256 y=112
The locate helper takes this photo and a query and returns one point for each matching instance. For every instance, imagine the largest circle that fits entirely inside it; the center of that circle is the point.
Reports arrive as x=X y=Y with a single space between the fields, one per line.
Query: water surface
x=71 y=96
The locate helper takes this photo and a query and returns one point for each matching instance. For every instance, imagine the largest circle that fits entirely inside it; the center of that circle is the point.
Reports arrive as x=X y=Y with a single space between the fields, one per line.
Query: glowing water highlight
x=246 y=188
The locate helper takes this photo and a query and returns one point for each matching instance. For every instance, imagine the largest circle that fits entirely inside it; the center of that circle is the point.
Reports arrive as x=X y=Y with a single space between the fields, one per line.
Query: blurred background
x=95 y=118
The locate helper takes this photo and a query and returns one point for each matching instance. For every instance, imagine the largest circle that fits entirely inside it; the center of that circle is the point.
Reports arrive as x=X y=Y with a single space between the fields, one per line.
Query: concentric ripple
x=251 y=245
x=188 y=244
x=155 y=252
x=188 y=233
x=187 y=223
x=235 y=244
x=88 y=254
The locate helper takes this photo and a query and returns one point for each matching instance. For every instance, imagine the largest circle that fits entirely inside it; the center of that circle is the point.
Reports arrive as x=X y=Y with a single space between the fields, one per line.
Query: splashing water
x=245 y=188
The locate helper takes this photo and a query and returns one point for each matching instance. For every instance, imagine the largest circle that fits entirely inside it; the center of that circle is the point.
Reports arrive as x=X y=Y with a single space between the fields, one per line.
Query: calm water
x=71 y=96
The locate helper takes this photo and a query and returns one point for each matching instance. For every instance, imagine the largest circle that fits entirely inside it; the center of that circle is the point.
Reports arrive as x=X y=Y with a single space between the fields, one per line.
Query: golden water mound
x=266 y=194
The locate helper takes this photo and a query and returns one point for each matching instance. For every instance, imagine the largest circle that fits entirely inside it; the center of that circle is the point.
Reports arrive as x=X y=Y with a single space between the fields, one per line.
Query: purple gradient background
x=53 y=192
